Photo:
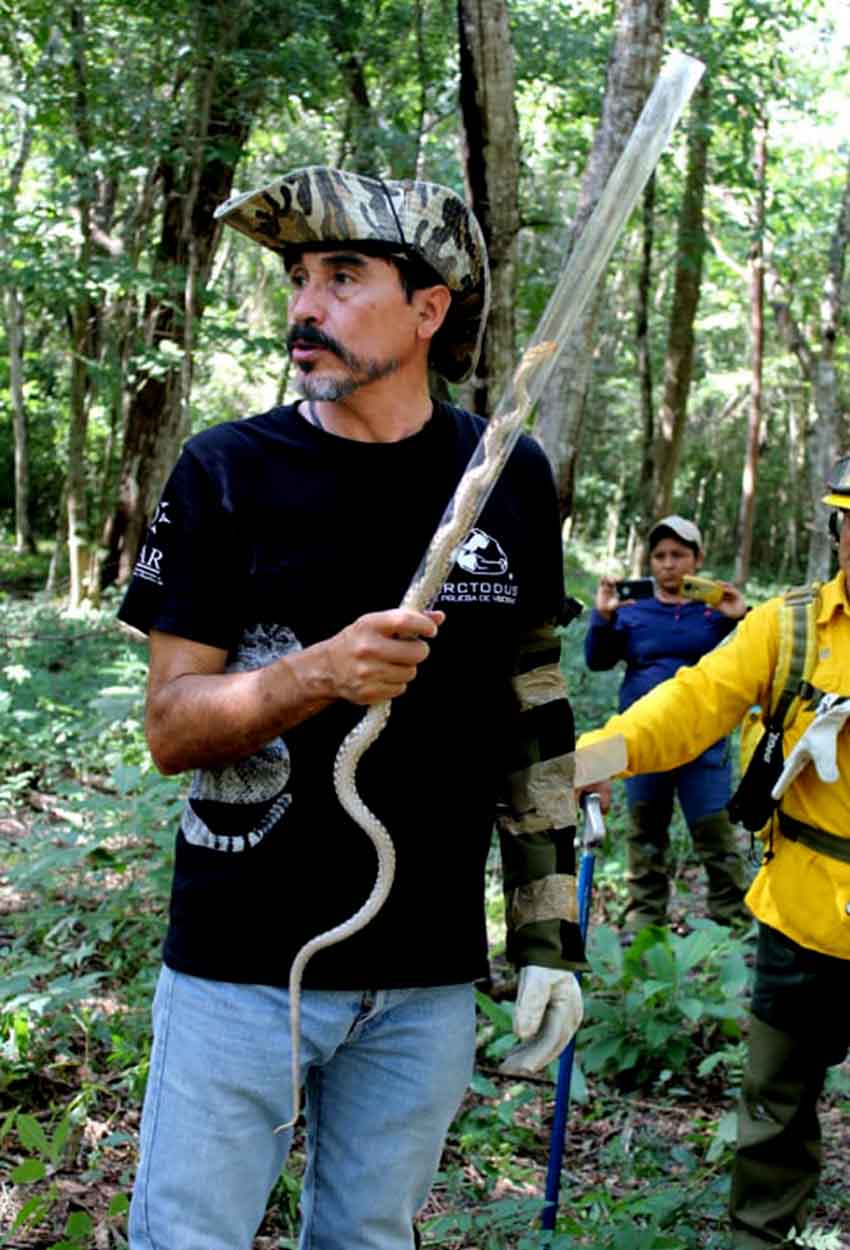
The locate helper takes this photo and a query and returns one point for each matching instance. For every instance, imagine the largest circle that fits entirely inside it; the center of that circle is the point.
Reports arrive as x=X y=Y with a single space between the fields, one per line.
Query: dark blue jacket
x=655 y=639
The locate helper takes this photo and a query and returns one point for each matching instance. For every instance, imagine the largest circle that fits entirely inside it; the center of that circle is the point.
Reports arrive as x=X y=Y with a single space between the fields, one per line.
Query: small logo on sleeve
x=160 y=516
x=149 y=564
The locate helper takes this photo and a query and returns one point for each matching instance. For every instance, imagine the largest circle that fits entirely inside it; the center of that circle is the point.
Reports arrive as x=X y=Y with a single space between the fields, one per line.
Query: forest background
x=710 y=377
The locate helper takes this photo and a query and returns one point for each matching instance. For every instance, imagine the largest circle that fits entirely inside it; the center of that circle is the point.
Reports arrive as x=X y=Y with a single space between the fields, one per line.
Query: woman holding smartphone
x=654 y=635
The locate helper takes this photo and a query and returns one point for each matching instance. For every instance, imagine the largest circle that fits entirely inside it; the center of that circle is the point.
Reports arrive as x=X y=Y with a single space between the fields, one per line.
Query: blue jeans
x=384 y=1072
x=703 y=786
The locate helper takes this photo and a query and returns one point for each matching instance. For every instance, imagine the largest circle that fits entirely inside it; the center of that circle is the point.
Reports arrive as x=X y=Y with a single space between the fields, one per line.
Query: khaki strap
x=539 y=686
x=830 y=844
x=541 y=797
x=548 y=898
x=796 y=658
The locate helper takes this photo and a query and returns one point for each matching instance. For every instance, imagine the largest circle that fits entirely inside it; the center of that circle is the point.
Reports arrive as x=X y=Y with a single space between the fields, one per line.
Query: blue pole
x=565 y=1064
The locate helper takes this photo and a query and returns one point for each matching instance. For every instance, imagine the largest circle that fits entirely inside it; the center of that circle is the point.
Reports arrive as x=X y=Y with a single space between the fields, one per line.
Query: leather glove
x=817 y=744
x=547 y=1014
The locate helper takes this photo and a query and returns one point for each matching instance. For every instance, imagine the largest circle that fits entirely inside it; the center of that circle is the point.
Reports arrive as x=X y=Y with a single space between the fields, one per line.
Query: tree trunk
x=632 y=70
x=751 y=455
x=424 y=79
x=491 y=166
x=362 y=154
x=81 y=332
x=690 y=249
x=797 y=413
x=818 y=367
x=24 y=541
x=359 y=149
x=156 y=418
x=822 y=455
x=16 y=337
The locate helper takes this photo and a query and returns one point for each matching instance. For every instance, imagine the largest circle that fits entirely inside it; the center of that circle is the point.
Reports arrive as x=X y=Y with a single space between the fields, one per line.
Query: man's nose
x=306 y=304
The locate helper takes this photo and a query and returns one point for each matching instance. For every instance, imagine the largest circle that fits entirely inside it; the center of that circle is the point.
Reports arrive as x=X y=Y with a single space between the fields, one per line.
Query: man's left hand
x=548 y=1012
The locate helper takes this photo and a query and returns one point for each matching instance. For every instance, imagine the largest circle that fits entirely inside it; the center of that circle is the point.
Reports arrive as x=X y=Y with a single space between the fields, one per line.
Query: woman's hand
x=733 y=603
x=607 y=601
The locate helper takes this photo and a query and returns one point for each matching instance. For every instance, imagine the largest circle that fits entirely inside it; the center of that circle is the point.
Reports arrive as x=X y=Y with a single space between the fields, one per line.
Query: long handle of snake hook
x=568 y=302
x=594 y=835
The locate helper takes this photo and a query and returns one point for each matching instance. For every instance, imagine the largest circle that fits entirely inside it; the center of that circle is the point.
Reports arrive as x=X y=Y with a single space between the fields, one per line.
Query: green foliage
x=820 y=1239
x=325 y=90
x=660 y=1000
x=87 y=851
x=71 y=691
x=94 y=866
x=86 y=862
x=498 y=1226
x=652 y=1216
x=87 y=866
x=42 y=1152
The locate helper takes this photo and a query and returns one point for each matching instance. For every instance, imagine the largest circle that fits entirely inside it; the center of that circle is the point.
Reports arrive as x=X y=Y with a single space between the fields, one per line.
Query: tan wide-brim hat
x=318 y=205
x=838 y=485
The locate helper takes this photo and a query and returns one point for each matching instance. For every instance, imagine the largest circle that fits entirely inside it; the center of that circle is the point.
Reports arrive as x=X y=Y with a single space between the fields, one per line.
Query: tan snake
x=473 y=489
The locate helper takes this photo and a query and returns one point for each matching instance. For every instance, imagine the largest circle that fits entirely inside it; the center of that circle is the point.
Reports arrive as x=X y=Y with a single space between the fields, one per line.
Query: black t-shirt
x=271 y=535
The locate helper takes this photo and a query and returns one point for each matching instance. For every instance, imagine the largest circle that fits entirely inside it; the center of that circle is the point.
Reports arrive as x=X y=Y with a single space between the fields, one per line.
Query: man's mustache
x=308 y=335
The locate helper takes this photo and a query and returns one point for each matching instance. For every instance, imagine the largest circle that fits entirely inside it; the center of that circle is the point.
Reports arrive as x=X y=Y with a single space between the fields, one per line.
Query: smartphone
x=703 y=589
x=636 y=588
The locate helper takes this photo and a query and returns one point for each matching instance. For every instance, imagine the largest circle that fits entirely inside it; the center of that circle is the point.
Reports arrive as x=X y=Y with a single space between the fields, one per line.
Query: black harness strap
x=829 y=844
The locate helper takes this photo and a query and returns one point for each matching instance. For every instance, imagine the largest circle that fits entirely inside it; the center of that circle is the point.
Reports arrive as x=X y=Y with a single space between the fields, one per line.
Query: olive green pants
x=800 y=1027
x=647 y=846
x=778 y=1159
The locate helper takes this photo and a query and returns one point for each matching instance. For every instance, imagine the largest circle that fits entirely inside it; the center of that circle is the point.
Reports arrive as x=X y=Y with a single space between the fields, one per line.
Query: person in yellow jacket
x=800 y=1022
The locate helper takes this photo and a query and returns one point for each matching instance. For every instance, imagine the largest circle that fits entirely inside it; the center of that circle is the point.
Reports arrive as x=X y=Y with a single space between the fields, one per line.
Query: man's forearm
x=678 y=719
x=207 y=720
x=199 y=716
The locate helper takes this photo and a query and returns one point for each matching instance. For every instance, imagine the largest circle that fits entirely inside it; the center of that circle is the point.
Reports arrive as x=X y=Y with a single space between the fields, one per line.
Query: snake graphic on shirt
x=249 y=795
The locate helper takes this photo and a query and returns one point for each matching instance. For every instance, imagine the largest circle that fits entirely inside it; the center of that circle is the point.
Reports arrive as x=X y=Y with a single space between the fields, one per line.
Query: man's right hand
x=199 y=716
x=602 y=788
x=377 y=656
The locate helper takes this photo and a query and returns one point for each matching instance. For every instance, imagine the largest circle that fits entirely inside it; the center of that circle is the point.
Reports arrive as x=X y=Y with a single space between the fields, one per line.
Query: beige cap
x=680 y=527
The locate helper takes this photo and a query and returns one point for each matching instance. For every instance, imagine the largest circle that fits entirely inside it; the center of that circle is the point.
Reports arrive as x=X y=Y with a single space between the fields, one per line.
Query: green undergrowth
x=86 y=834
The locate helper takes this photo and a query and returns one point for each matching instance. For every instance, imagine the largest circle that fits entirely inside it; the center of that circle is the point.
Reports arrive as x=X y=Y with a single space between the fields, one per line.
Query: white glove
x=548 y=1012
x=816 y=744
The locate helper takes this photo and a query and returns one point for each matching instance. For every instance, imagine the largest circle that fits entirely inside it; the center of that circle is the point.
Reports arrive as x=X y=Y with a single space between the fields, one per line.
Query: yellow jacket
x=804 y=894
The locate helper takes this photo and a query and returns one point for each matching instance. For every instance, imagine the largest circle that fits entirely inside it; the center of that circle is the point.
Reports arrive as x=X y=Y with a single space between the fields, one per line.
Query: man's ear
x=433 y=303
x=698 y=561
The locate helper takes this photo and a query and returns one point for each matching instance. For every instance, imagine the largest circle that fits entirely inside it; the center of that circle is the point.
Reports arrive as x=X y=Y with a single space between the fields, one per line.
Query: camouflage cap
x=838 y=485
x=320 y=205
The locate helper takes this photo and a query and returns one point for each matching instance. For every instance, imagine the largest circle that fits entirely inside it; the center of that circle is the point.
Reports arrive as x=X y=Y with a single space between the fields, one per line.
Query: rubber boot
x=647 y=842
x=716 y=848
x=778 y=1159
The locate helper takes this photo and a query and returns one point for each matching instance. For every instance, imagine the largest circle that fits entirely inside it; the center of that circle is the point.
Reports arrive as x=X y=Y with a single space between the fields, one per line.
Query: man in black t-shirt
x=266 y=584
